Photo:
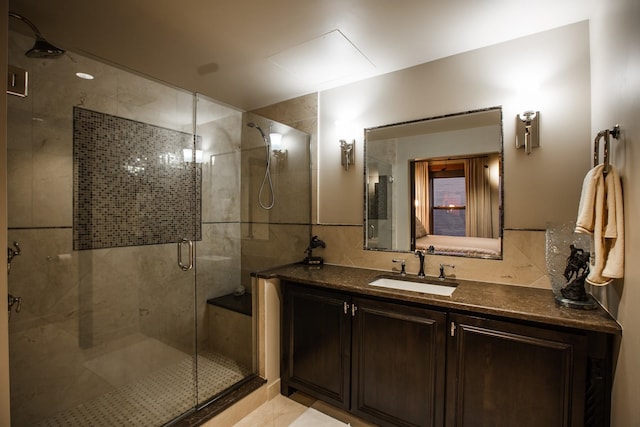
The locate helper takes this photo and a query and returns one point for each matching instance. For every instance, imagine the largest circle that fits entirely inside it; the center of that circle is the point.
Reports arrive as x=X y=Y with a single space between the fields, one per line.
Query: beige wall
x=615 y=85
x=548 y=72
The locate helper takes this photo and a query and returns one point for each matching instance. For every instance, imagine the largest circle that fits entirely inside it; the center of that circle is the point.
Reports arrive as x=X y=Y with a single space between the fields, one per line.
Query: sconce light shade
x=347 y=153
x=276 y=141
x=528 y=130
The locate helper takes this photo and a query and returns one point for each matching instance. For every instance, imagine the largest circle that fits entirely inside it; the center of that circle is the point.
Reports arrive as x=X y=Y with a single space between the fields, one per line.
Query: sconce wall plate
x=528 y=130
x=347 y=153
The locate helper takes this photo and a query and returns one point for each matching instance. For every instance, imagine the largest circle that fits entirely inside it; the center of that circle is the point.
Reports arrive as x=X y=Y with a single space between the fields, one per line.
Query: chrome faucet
x=403 y=272
x=420 y=254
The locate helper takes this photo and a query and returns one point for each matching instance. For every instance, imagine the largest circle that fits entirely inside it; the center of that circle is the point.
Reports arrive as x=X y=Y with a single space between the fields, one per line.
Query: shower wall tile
x=20 y=188
x=165 y=296
x=108 y=295
x=131 y=186
x=290 y=176
x=269 y=245
x=217 y=267
x=221 y=188
x=220 y=170
x=300 y=113
x=218 y=259
x=220 y=129
x=148 y=101
x=19 y=115
x=292 y=111
x=44 y=268
x=52 y=189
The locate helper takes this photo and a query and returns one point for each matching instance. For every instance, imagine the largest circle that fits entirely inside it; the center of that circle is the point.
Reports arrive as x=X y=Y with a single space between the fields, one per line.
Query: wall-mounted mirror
x=436 y=184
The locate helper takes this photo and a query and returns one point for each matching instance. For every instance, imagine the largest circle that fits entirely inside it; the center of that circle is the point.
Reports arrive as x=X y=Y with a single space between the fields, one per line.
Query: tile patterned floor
x=156 y=398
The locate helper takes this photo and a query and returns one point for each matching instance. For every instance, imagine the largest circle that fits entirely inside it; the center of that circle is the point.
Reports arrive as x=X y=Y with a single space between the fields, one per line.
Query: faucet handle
x=402 y=265
x=442 y=266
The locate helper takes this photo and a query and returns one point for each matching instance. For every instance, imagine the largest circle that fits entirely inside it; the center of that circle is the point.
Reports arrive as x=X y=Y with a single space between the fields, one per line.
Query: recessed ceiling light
x=326 y=58
x=85 y=76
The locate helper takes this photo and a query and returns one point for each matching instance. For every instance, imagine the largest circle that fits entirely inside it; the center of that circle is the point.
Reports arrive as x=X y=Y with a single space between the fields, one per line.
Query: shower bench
x=230 y=328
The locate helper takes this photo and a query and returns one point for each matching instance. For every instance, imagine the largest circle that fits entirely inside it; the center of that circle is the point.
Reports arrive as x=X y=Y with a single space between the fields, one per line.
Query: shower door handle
x=189 y=265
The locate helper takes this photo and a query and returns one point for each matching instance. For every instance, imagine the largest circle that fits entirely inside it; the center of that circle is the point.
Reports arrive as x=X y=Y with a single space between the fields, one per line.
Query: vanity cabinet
x=381 y=360
x=316 y=344
x=505 y=374
x=397 y=363
x=400 y=363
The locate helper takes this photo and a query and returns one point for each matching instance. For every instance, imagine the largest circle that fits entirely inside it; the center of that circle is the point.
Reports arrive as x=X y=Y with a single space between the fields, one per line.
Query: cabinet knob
x=346 y=307
x=353 y=310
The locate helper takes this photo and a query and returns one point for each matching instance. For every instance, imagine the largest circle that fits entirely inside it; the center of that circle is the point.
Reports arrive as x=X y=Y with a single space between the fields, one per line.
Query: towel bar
x=614 y=132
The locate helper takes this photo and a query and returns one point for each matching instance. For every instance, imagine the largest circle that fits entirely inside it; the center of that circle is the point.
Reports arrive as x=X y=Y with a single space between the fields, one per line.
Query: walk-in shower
x=112 y=331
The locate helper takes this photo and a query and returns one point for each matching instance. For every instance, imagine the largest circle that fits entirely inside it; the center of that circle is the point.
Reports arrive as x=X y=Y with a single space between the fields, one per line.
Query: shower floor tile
x=129 y=364
x=156 y=398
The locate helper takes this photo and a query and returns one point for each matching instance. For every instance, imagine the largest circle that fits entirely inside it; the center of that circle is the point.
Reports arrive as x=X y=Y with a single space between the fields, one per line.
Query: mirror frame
x=467 y=254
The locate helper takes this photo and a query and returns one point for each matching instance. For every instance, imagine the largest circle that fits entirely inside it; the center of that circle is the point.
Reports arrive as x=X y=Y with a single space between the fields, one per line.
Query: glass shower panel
x=224 y=307
x=99 y=194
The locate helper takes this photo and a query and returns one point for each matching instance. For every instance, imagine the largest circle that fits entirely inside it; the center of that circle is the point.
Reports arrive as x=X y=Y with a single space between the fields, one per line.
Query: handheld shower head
x=267 y=171
x=253 y=125
x=42 y=48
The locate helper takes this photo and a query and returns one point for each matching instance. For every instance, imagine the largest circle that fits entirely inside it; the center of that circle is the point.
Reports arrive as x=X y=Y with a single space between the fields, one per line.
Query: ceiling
x=222 y=48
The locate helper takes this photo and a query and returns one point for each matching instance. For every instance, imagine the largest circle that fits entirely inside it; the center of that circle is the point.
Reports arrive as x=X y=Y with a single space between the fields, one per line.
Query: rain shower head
x=42 y=48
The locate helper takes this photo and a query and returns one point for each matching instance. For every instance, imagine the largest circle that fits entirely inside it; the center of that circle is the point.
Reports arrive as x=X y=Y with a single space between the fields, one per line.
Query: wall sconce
x=347 y=153
x=275 y=139
x=187 y=154
x=527 y=130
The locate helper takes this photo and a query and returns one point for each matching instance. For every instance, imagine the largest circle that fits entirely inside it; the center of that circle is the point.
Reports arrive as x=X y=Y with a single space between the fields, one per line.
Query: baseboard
x=273 y=389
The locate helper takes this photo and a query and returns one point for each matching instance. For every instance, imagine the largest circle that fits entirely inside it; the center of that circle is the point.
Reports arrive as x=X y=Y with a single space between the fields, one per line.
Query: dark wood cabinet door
x=398 y=364
x=505 y=374
x=317 y=340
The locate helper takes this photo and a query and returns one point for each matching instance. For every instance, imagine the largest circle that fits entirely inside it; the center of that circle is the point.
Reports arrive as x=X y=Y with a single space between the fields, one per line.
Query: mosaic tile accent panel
x=131 y=186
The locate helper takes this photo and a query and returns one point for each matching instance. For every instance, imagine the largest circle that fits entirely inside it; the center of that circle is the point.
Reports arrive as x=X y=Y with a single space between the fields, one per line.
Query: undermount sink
x=408 y=285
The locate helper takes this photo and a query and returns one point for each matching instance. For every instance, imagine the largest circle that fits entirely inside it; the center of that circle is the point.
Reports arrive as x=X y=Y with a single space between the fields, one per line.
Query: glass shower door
x=101 y=195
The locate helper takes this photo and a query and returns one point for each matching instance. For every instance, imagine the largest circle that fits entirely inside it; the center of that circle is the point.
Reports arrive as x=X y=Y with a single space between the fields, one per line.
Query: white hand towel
x=586 y=209
x=614 y=232
x=598 y=251
x=600 y=214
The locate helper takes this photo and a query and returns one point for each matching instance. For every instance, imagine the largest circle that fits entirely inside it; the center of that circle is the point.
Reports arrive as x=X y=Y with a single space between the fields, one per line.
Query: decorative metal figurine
x=573 y=293
x=314 y=260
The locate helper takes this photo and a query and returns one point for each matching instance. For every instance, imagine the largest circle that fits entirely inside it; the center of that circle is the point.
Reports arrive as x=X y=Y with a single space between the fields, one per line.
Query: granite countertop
x=516 y=302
